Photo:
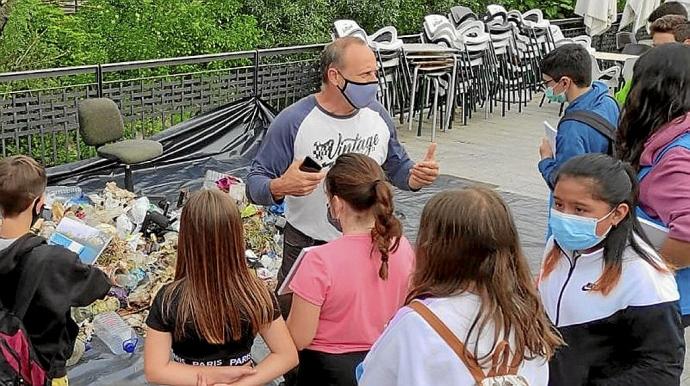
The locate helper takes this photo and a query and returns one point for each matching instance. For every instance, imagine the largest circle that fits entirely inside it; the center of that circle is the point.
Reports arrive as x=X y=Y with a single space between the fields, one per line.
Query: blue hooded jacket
x=575 y=138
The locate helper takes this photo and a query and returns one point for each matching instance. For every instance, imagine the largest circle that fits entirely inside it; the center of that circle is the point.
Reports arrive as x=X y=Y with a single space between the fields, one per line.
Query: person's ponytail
x=359 y=181
x=387 y=229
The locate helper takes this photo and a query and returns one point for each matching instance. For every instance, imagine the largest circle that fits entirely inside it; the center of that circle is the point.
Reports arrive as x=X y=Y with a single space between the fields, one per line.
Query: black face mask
x=332 y=220
x=35 y=216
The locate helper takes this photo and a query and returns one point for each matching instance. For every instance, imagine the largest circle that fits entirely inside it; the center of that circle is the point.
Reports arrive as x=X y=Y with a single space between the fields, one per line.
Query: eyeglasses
x=545 y=83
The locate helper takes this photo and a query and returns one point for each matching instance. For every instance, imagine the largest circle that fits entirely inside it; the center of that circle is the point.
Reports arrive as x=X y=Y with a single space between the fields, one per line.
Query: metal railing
x=152 y=95
x=38 y=109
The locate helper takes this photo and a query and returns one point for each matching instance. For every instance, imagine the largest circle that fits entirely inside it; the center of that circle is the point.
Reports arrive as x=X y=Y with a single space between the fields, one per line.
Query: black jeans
x=293 y=243
x=324 y=369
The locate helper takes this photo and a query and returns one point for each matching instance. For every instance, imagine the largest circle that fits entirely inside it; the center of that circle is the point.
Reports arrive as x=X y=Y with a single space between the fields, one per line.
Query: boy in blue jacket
x=567 y=75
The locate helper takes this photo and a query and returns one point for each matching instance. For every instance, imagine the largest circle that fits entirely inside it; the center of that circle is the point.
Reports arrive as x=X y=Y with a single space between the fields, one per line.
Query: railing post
x=99 y=81
x=256 y=73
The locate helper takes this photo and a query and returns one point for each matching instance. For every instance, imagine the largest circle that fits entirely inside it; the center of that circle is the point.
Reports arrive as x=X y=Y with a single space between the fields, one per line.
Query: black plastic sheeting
x=225 y=140
x=102 y=368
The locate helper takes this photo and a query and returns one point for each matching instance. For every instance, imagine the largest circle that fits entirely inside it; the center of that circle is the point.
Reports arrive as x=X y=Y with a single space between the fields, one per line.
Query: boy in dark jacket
x=54 y=275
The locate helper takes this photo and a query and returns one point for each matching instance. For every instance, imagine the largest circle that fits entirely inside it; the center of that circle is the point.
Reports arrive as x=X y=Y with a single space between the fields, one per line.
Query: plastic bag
x=139 y=210
x=124 y=226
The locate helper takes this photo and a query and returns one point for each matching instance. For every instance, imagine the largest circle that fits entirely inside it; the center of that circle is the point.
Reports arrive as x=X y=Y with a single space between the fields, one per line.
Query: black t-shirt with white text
x=193 y=349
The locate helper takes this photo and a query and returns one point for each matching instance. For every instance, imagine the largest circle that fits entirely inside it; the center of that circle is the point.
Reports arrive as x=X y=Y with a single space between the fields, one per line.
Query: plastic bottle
x=115 y=333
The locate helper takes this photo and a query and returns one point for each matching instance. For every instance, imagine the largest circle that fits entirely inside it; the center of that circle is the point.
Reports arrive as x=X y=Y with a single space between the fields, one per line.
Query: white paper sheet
x=550 y=134
x=285 y=287
x=656 y=234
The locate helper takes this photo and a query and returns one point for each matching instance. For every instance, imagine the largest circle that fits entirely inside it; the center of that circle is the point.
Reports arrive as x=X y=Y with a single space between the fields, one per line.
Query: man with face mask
x=344 y=117
x=591 y=117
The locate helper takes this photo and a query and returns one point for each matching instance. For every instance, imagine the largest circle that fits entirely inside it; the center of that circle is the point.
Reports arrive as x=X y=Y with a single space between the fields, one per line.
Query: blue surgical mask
x=576 y=233
x=358 y=94
x=332 y=220
x=550 y=95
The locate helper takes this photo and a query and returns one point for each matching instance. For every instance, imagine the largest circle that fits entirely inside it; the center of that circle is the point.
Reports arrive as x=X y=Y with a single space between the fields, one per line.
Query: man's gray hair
x=333 y=54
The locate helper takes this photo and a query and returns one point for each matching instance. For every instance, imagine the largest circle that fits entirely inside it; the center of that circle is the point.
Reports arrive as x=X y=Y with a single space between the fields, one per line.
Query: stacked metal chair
x=433 y=71
x=477 y=66
x=460 y=15
x=510 y=75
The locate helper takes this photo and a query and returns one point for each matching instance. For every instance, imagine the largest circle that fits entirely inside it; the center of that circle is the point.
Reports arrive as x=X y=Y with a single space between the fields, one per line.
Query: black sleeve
x=159 y=315
x=67 y=280
x=656 y=333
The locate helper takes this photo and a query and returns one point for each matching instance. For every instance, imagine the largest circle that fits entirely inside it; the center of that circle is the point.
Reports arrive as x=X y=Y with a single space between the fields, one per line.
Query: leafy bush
x=39 y=35
x=136 y=29
x=291 y=22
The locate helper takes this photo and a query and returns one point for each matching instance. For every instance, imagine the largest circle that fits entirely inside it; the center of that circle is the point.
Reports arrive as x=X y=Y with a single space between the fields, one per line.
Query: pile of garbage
x=141 y=254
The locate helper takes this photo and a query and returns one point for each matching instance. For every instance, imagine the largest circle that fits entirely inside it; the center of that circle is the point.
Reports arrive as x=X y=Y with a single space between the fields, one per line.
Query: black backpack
x=18 y=362
x=597 y=122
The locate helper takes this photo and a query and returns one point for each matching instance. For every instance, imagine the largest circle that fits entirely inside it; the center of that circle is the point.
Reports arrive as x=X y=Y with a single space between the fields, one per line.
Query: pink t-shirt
x=342 y=277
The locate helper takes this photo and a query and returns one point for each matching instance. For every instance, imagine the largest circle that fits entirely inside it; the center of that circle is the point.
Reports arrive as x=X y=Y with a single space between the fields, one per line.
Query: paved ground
x=502 y=151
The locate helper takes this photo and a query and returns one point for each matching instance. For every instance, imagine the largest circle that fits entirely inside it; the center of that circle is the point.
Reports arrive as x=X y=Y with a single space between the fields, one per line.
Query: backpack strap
x=680 y=141
x=447 y=335
x=499 y=361
x=595 y=121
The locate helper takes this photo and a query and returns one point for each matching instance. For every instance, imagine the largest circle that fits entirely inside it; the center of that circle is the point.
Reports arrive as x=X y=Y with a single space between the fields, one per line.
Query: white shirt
x=411 y=353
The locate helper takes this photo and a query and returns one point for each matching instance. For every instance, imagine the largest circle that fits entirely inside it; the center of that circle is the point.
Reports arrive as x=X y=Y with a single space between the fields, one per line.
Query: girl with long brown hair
x=654 y=137
x=347 y=290
x=472 y=277
x=604 y=286
x=209 y=316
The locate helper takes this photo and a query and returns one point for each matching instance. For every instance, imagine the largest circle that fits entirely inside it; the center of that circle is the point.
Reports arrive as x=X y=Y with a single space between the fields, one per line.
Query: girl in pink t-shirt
x=346 y=291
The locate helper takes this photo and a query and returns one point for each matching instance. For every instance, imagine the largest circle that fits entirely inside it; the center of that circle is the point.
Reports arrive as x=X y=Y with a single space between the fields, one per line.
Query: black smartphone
x=310 y=166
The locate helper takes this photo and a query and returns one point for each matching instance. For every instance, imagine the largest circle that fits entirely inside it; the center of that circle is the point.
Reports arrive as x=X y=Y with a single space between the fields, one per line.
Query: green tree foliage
x=144 y=29
x=291 y=22
x=39 y=35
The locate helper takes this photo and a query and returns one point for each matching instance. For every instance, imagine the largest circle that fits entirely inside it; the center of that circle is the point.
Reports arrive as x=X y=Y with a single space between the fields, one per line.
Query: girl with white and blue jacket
x=611 y=296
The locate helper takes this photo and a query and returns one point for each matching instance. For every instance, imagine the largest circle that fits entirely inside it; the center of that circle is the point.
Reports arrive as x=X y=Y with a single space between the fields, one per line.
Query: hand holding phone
x=300 y=179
